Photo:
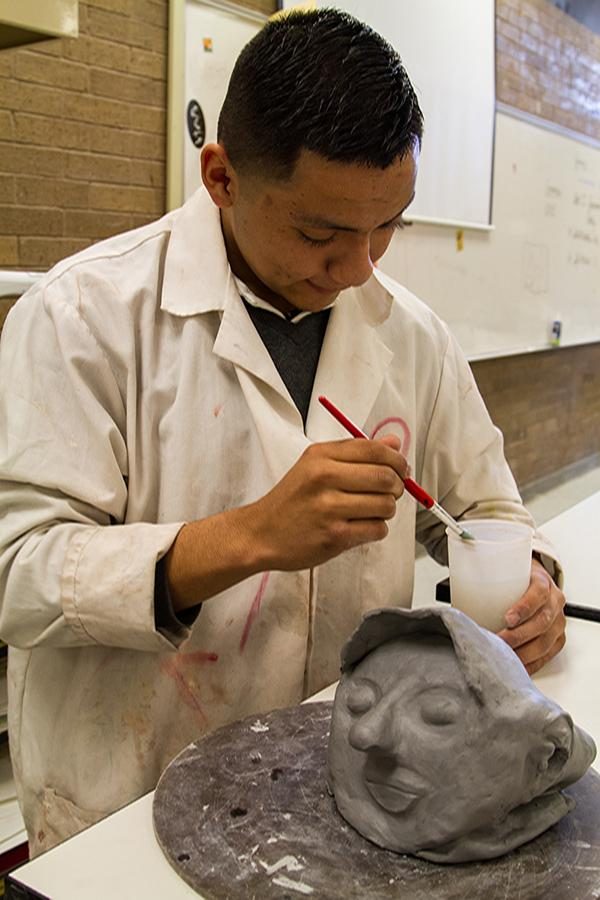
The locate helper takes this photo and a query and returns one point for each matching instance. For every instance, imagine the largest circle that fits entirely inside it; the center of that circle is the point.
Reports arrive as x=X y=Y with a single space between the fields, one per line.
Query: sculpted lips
x=396 y=795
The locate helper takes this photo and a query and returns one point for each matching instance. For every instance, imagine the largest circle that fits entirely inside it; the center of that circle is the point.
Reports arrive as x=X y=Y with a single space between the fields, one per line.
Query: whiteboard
x=447 y=47
x=501 y=292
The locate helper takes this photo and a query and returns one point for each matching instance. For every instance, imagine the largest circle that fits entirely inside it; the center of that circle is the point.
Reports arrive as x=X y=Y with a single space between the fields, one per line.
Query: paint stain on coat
x=254 y=610
x=176 y=668
x=395 y=420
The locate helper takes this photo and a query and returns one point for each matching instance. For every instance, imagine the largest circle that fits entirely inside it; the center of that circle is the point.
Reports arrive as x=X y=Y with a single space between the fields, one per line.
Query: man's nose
x=353 y=266
x=373 y=730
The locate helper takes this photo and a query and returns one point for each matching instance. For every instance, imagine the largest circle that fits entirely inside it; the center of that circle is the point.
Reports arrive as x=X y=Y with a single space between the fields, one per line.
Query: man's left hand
x=536 y=623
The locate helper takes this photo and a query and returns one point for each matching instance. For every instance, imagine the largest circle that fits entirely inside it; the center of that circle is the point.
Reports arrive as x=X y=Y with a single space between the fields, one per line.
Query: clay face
x=408 y=714
x=439 y=744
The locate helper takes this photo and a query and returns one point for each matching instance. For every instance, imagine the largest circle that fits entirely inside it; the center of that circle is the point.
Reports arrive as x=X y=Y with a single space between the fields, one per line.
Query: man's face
x=298 y=243
x=410 y=752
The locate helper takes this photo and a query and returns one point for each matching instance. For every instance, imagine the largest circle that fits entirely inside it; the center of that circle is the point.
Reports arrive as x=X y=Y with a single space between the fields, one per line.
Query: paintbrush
x=413 y=488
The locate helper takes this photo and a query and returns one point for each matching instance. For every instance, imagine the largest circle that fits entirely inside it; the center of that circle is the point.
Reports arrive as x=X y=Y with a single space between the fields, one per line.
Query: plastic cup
x=492 y=572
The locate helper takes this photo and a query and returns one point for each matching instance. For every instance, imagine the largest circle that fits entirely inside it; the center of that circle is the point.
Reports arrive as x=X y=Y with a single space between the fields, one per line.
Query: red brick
x=132 y=144
x=104 y=83
x=97 y=167
x=8 y=193
x=94 y=224
x=75 y=195
x=47 y=131
x=106 y=54
x=264 y=6
x=148 y=172
x=97 y=110
x=144 y=34
x=126 y=199
x=16 y=220
x=121 y=7
x=6 y=63
x=151 y=11
x=43 y=252
x=108 y=25
x=51 y=47
x=7 y=125
x=19 y=158
x=77 y=49
x=148 y=63
x=63 y=73
x=34 y=191
x=149 y=118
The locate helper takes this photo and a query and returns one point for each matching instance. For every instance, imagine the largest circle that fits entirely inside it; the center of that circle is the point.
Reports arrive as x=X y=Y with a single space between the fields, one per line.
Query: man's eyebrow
x=318 y=222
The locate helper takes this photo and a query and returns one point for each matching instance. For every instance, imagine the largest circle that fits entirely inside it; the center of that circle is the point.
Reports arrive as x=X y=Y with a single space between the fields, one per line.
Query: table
x=576 y=534
x=119 y=857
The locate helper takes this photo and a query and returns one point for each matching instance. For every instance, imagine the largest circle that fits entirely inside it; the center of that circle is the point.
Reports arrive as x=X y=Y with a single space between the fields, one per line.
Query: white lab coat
x=136 y=396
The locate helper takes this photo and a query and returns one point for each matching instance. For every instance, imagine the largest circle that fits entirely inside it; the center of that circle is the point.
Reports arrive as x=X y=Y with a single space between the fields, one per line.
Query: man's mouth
x=322 y=290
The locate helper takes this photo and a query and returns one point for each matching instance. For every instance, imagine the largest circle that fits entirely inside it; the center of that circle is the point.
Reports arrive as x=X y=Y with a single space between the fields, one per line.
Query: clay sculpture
x=441 y=746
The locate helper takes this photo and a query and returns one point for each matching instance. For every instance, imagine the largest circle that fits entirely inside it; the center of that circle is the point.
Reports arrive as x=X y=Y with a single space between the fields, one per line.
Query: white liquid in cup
x=492 y=572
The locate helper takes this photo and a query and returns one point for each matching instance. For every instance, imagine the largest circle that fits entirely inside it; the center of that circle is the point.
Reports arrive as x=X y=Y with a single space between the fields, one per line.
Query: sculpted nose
x=372 y=731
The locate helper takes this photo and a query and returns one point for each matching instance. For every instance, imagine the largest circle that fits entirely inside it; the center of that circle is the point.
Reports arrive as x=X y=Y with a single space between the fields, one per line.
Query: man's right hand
x=338 y=495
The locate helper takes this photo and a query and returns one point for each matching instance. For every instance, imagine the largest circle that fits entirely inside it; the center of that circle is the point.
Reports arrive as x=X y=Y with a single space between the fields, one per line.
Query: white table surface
x=119 y=857
x=576 y=534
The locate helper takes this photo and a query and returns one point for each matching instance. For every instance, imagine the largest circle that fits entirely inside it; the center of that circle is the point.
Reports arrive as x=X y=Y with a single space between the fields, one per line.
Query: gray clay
x=441 y=746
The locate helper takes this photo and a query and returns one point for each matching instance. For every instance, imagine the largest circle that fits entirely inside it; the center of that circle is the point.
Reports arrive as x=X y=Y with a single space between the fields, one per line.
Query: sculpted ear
x=564 y=754
x=551 y=756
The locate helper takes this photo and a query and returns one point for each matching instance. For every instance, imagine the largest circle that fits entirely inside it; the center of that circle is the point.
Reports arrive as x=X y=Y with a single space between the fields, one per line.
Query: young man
x=188 y=536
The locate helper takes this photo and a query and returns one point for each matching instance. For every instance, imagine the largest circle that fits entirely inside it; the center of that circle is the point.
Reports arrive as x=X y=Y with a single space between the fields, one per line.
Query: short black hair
x=323 y=81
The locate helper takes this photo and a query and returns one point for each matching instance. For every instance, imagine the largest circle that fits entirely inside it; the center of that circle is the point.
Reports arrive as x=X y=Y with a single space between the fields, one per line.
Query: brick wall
x=548 y=64
x=83 y=131
x=82 y=122
x=547 y=405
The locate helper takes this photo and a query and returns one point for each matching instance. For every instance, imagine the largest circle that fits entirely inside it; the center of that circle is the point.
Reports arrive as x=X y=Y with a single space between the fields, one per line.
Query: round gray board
x=244 y=813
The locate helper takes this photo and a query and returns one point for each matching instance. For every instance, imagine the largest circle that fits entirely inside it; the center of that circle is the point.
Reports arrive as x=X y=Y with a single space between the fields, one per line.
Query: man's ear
x=218 y=175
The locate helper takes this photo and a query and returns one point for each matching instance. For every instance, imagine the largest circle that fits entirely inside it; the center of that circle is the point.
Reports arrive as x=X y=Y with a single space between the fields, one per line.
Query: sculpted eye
x=362 y=698
x=438 y=711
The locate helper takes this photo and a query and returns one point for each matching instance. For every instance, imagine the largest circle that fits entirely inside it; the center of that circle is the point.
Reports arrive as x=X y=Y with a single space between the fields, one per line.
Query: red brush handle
x=414 y=489
x=419 y=493
x=348 y=424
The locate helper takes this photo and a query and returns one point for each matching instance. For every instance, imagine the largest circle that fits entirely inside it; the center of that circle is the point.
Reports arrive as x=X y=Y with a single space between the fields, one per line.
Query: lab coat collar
x=197 y=275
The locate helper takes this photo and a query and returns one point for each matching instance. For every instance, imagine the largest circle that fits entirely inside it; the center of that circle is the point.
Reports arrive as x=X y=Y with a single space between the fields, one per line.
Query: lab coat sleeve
x=71 y=573
x=464 y=465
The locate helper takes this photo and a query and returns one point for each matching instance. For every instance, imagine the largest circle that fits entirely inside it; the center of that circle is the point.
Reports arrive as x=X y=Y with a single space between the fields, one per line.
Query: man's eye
x=314 y=242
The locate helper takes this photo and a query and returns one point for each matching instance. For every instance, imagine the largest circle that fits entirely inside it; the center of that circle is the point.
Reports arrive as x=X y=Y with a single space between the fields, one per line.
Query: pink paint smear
x=395 y=420
x=173 y=666
x=254 y=610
